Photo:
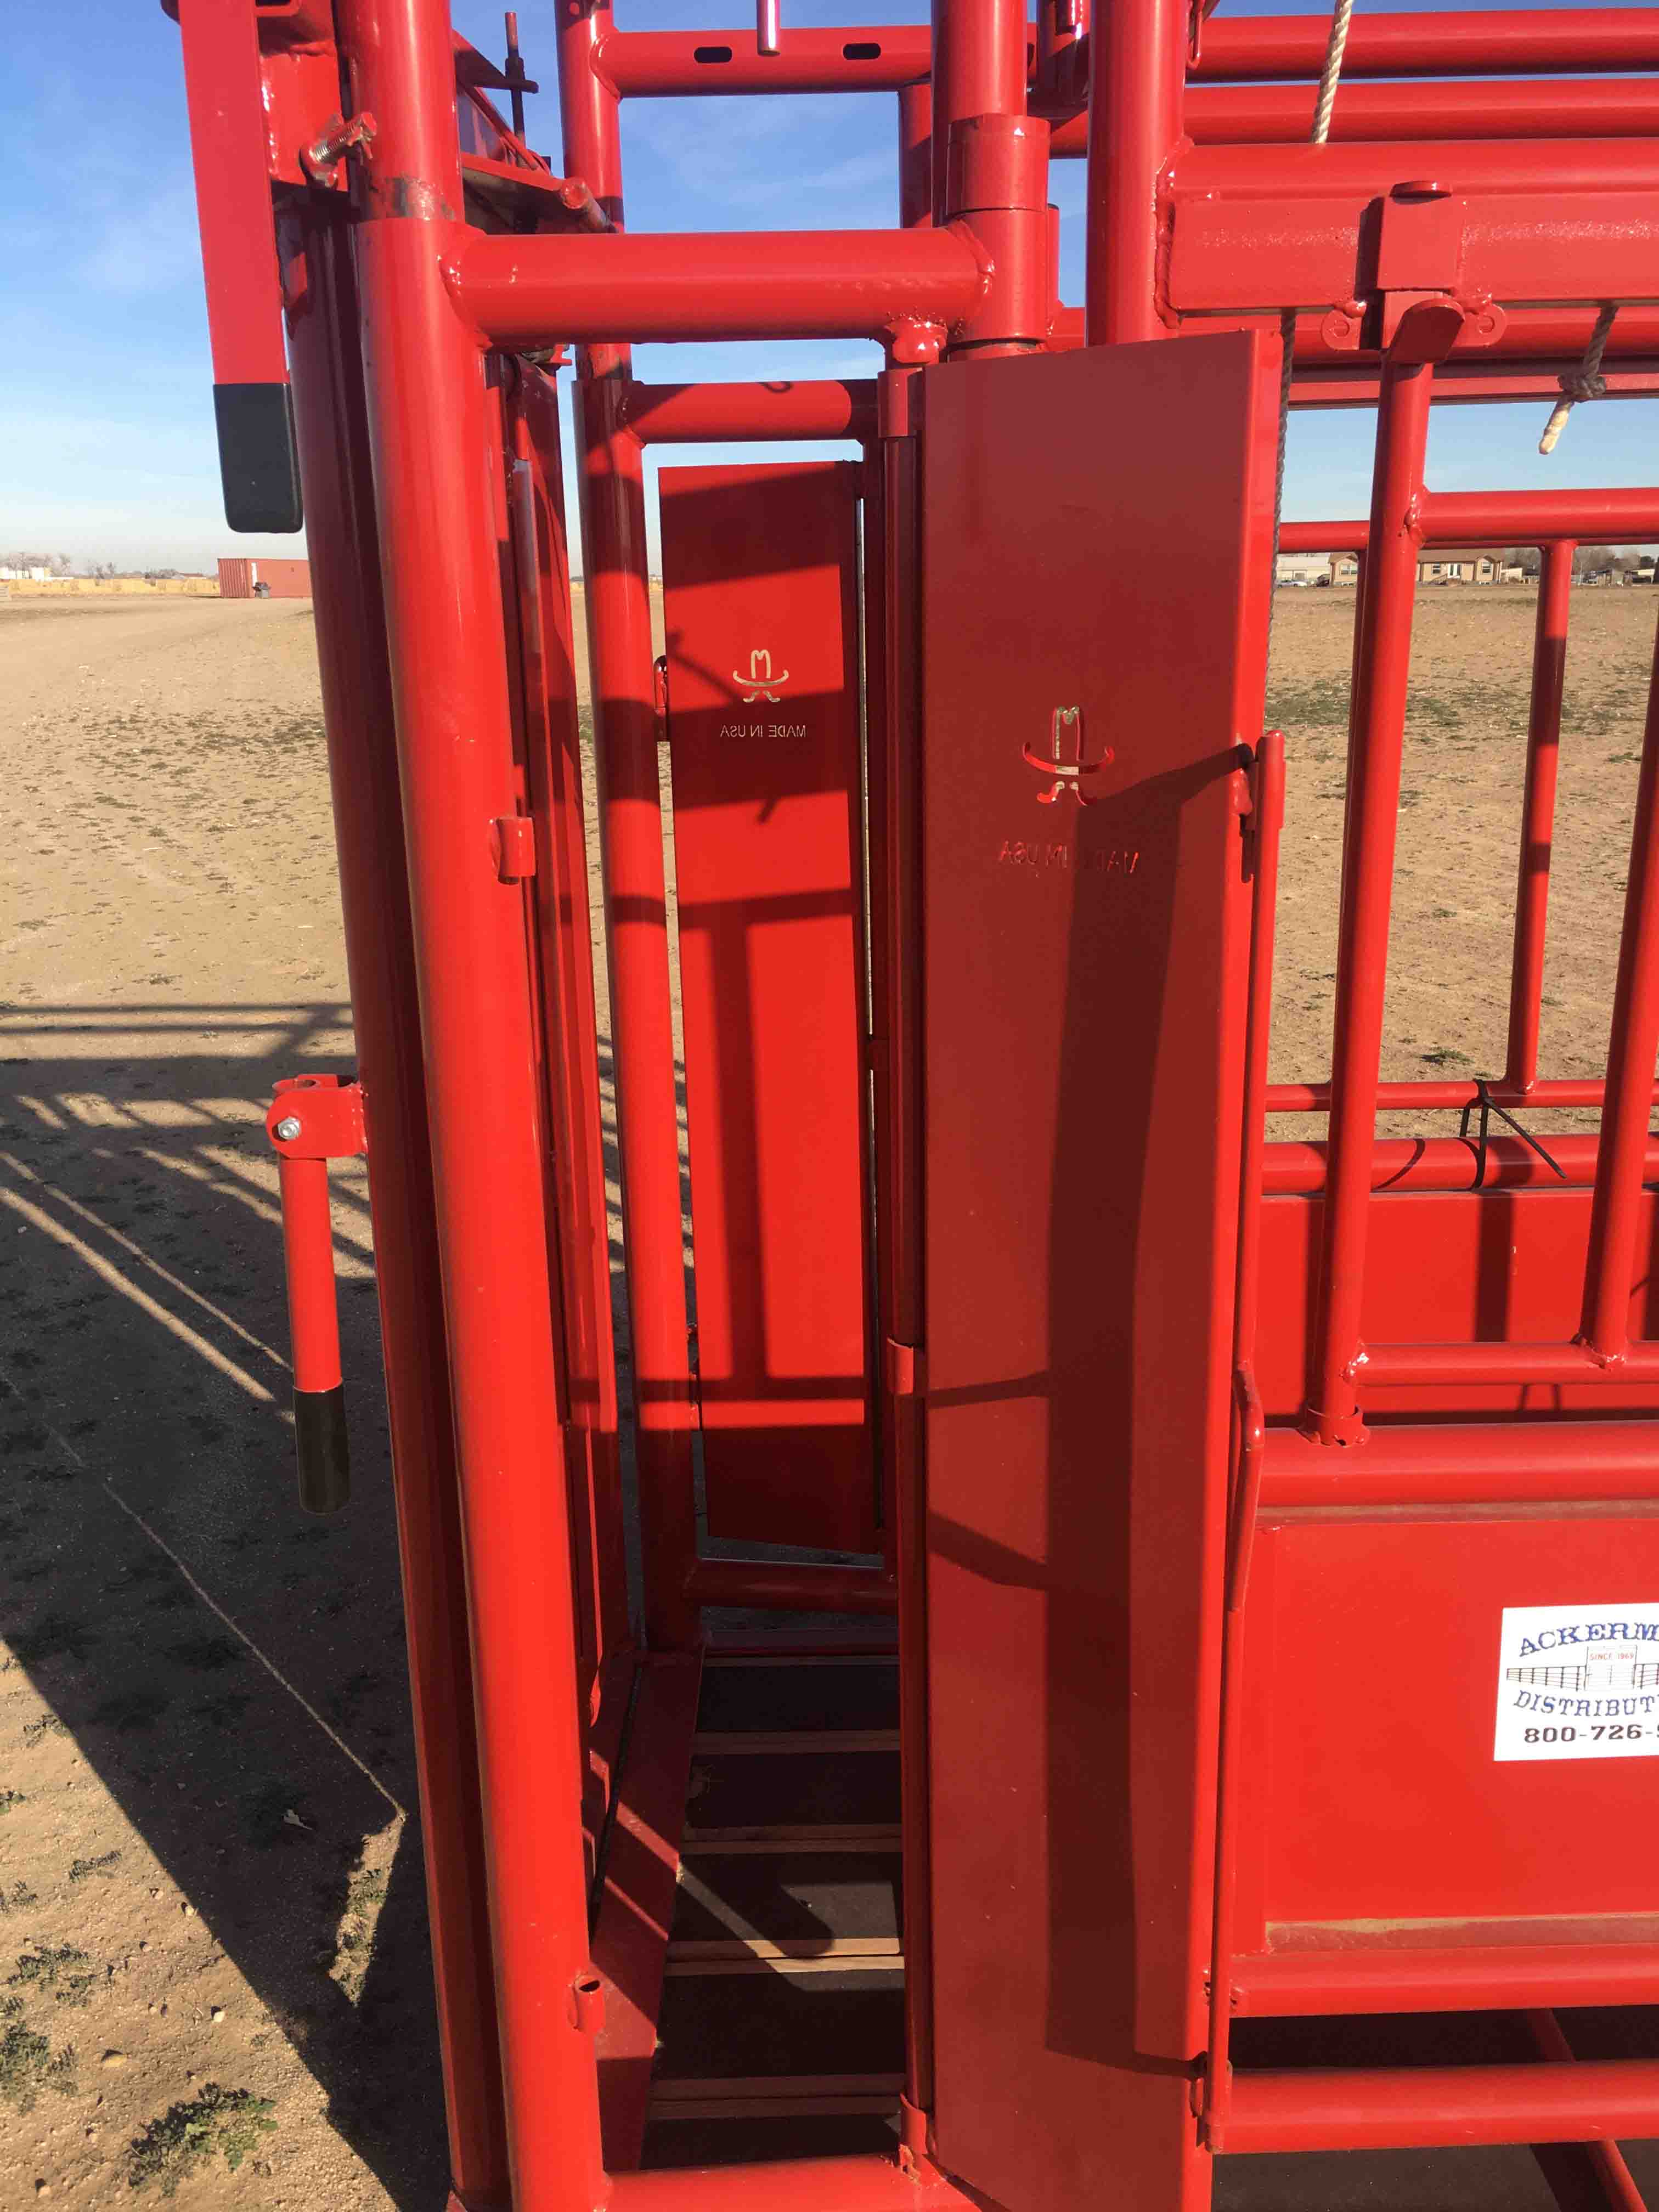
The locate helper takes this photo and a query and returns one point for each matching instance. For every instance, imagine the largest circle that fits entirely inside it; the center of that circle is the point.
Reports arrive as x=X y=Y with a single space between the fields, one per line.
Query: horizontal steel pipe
x=523 y=292
x=1404 y=1366
x=1465 y=382
x=1403 y=2108
x=691 y=414
x=1459 y=43
x=1293 y=1170
x=1579 y=1093
x=1371 y=170
x=1474 y=1463
x=1277 y=114
x=1490 y=1978
x=1282 y=114
x=792 y=1589
x=690 y=65
x=1499 y=518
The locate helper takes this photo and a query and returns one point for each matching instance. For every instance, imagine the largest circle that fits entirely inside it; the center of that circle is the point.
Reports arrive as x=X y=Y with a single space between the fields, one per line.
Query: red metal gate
x=764 y=712
x=1086 y=924
x=1265 y=1531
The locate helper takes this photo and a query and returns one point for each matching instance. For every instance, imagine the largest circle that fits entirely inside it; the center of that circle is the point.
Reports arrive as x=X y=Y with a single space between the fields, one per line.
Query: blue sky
x=106 y=448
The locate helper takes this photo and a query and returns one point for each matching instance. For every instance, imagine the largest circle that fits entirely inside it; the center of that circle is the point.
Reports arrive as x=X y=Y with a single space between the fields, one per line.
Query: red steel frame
x=1456 y=239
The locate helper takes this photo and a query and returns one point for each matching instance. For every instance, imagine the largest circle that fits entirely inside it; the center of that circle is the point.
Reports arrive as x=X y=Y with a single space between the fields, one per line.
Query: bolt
x=287 y=1128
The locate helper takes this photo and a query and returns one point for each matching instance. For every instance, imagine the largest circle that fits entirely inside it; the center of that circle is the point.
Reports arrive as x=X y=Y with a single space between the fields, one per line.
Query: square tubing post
x=623 y=686
x=899 y=1154
x=1376 y=742
x=1531 y=895
x=1632 y=1047
x=425 y=389
x=1138 y=57
x=333 y=434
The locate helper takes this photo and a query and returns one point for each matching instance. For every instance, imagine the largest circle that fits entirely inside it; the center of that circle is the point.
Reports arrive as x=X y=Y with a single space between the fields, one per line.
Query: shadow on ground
x=231 y=1671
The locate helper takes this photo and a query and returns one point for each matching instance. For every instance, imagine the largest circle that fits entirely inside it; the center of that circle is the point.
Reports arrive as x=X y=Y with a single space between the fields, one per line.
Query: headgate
x=1134 y=1618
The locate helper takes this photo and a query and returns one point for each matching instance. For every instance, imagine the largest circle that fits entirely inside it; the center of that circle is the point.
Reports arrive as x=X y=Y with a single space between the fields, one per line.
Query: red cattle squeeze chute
x=1132 y=1644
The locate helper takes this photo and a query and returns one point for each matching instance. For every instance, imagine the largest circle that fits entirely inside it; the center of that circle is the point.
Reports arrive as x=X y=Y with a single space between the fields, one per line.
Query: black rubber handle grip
x=320 y=1447
x=259 y=456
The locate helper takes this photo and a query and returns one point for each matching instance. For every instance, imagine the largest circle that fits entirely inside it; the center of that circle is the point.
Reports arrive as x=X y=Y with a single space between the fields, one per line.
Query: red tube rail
x=1276 y=114
x=1137 y=62
x=1403 y=2108
x=1464 y=42
x=694 y=414
x=1376 y=738
x=610 y=289
x=621 y=667
x=1499 y=518
x=1549 y=668
x=1632 y=1047
x=1473 y=1463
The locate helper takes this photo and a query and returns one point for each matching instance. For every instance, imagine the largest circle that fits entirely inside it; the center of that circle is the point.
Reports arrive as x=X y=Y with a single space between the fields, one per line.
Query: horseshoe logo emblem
x=762 y=676
x=1065 y=776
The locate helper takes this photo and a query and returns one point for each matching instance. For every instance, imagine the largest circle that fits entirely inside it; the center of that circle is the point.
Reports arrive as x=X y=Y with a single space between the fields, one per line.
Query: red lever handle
x=313 y=1120
x=253 y=404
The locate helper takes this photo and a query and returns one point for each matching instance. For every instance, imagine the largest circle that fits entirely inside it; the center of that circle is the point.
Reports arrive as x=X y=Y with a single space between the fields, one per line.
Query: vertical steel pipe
x=916 y=118
x=979 y=68
x=424 y=381
x=1532 y=896
x=1633 y=1047
x=1375 y=743
x=332 y=433
x=617 y=580
x=1137 y=56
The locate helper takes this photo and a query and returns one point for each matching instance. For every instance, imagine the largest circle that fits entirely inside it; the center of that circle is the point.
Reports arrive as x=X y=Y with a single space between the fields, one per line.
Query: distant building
x=242 y=579
x=1450 y=564
x=1345 y=569
x=1303 y=568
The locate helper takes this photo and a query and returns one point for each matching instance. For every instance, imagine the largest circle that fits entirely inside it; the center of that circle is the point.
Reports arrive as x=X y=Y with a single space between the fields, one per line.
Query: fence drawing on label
x=1600 y=1674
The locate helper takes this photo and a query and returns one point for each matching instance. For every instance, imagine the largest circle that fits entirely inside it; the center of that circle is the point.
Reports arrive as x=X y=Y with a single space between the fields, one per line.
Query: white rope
x=1587 y=383
x=1335 y=47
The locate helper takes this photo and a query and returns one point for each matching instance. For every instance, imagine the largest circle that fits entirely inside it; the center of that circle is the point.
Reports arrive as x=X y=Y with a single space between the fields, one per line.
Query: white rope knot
x=1585 y=382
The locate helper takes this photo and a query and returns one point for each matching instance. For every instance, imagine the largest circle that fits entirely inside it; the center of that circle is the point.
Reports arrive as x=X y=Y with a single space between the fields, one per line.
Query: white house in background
x=1307 y=569
x=1450 y=564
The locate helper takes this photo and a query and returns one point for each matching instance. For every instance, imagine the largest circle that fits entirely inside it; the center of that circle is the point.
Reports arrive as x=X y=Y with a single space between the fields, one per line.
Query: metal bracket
x=905 y=1369
x=513 y=847
x=321 y=160
x=317 y=1117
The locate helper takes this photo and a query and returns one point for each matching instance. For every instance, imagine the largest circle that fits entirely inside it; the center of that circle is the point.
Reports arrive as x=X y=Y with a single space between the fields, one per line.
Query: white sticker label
x=1578 y=1682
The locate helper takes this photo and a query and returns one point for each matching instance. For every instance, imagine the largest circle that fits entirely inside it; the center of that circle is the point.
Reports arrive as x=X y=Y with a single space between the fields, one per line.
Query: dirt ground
x=208 y=1864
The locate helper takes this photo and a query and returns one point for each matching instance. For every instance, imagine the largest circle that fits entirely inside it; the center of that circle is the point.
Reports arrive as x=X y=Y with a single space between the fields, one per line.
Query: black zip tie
x=1489 y=1106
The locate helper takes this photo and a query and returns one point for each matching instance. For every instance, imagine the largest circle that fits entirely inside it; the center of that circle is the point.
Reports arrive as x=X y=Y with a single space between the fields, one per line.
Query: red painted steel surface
x=1053 y=1294
x=225 y=99
x=1378 y=1810
x=330 y=422
x=440 y=573
x=1396 y=2108
x=1076 y=1138
x=1450 y=1266
x=761 y=619
x=549 y=739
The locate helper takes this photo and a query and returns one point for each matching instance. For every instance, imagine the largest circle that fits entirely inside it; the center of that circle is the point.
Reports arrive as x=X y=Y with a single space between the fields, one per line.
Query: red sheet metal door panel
x=760 y=605
x=1094 y=627
x=1388 y=1803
